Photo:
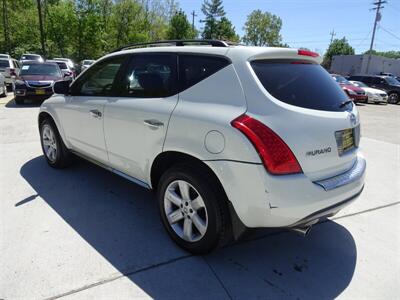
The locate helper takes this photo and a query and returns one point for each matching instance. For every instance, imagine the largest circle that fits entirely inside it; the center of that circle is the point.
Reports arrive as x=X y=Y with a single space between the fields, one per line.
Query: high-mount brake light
x=307 y=53
x=276 y=156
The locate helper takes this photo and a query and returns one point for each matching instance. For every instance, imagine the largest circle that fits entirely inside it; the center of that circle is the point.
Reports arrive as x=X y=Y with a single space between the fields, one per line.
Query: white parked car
x=374 y=95
x=3 y=87
x=31 y=57
x=230 y=137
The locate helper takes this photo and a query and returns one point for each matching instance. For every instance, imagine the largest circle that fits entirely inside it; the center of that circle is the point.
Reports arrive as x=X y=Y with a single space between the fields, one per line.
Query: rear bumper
x=359 y=98
x=264 y=200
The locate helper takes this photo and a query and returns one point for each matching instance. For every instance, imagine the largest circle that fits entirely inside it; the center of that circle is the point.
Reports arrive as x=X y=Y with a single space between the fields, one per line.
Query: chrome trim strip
x=115 y=171
x=354 y=174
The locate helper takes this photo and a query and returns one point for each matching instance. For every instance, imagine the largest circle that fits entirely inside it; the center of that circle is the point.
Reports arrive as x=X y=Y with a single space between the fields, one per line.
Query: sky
x=308 y=23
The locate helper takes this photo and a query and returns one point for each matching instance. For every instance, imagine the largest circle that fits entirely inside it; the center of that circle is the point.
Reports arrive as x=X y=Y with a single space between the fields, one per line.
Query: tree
x=217 y=26
x=388 y=54
x=262 y=29
x=226 y=31
x=213 y=11
x=180 y=28
x=337 y=47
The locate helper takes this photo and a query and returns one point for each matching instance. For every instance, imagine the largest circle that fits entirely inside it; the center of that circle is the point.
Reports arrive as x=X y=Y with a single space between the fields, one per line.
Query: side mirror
x=61 y=87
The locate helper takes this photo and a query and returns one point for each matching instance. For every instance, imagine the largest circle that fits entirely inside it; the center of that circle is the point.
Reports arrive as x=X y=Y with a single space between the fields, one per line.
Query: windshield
x=392 y=81
x=4 y=64
x=301 y=84
x=41 y=69
x=359 y=83
x=340 y=79
x=30 y=57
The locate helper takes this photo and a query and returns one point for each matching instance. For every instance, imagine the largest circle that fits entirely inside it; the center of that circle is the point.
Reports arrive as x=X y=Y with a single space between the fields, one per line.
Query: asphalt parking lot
x=85 y=233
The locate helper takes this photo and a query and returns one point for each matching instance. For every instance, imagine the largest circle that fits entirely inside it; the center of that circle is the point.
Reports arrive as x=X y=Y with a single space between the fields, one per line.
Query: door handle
x=95 y=113
x=153 y=123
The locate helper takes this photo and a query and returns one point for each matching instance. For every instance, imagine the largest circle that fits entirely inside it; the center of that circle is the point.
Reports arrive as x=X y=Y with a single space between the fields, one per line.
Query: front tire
x=56 y=153
x=193 y=209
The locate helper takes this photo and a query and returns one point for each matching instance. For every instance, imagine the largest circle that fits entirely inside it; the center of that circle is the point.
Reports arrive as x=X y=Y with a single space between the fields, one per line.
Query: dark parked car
x=355 y=93
x=35 y=81
x=387 y=83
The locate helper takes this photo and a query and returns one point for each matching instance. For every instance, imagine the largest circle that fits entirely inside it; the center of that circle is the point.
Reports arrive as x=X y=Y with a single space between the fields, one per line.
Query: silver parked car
x=9 y=68
x=3 y=88
x=66 y=70
x=31 y=57
x=86 y=63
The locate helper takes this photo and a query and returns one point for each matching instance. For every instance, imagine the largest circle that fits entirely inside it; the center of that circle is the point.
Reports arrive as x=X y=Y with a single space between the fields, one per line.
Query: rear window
x=301 y=84
x=4 y=64
x=62 y=65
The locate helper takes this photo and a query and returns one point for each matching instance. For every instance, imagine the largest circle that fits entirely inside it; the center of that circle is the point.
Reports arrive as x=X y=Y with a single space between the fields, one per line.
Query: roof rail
x=213 y=43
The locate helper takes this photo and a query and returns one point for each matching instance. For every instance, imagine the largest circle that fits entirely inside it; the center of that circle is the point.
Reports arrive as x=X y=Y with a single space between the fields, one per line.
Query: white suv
x=230 y=137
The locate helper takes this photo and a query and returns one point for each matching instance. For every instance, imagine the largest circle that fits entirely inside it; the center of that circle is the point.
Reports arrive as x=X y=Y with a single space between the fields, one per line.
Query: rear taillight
x=12 y=72
x=276 y=156
x=307 y=53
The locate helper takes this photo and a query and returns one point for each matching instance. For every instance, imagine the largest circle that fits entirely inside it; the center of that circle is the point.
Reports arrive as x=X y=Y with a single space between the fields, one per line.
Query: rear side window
x=301 y=84
x=195 y=68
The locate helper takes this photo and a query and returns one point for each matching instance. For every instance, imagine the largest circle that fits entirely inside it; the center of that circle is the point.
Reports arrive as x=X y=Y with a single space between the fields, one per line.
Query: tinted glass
x=356 y=78
x=30 y=57
x=98 y=80
x=301 y=84
x=195 y=68
x=392 y=81
x=150 y=76
x=40 y=69
x=4 y=63
x=340 y=79
x=62 y=65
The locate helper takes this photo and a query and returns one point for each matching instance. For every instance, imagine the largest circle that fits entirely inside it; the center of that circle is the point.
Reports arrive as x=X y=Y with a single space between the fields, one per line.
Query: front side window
x=392 y=81
x=98 y=80
x=150 y=76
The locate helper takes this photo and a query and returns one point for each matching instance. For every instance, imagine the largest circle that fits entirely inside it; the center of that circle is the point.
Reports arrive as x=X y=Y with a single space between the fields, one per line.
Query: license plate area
x=40 y=92
x=347 y=139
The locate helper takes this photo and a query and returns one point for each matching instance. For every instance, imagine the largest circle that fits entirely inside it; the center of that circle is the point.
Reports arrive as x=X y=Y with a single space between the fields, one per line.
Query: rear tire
x=54 y=150
x=393 y=98
x=193 y=209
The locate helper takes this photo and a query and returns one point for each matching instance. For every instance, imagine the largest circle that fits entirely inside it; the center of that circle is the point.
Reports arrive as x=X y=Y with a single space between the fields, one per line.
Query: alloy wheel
x=185 y=211
x=49 y=143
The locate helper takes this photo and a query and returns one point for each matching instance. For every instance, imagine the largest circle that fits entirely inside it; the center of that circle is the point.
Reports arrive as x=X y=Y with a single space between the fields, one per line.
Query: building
x=357 y=64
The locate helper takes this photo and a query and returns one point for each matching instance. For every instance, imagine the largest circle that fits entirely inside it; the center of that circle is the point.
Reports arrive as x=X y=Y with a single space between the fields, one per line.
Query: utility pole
x=378 y=6
x=39 y=6
x=193 y=16
x=332 y=33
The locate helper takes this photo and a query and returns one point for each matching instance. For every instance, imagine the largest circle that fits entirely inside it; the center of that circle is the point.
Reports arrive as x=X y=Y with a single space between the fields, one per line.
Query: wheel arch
x=47 y=115
x=166 y=160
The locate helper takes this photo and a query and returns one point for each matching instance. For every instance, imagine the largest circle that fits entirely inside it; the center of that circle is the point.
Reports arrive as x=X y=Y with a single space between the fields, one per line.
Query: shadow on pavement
x=120 y=220
x=12 y=104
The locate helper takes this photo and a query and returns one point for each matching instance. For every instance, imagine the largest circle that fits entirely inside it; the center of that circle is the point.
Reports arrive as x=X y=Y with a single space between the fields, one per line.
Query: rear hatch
x=299 y=101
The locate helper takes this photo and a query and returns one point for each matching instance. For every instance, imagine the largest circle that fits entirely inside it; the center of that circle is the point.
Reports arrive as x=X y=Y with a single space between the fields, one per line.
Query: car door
x=84 y=110
x=136 y=122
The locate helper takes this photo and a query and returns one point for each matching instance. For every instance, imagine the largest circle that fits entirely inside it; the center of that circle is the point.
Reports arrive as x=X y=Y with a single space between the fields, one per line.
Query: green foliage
x=83 y=29
x=262 y=29
x=217 y=26
x=388 y=54
x=337 y=47
x=180 y=28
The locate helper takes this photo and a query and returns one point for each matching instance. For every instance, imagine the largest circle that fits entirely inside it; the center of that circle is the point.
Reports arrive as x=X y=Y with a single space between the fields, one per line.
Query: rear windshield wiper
x=344 y=103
